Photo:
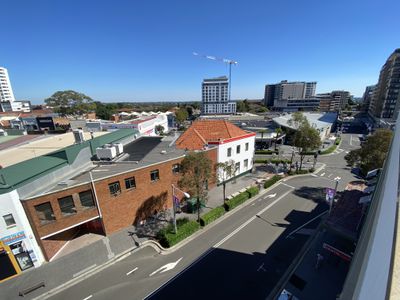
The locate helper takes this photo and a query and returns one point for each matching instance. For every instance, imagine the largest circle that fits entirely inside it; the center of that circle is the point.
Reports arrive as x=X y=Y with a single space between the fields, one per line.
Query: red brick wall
x=118 y=212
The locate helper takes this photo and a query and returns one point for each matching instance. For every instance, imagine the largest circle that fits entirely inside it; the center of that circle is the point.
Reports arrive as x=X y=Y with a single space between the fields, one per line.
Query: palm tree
x=262 y=131
x=278 y=132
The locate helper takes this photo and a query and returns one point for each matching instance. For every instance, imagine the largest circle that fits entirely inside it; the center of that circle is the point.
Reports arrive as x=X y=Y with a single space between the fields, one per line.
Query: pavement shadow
x=227 y=274
x=316 y=194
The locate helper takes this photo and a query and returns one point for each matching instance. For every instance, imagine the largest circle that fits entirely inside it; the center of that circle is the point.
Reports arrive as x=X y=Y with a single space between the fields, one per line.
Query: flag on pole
x=176 y=202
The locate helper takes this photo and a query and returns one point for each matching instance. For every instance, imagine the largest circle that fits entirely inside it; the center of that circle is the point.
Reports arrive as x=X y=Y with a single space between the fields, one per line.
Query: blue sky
x=142 y=50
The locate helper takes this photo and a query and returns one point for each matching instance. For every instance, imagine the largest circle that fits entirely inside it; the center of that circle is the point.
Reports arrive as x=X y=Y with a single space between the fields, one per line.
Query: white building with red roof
x=233 y=142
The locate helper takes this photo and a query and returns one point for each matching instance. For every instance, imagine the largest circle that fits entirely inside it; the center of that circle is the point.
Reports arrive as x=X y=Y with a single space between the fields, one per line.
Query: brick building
x=110 y=196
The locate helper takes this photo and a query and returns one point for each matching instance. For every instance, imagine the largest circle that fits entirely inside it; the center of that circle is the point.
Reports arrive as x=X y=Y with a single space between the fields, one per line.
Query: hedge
x=168 y=238
x=337 y=141
x=252 y=191
x=212 y=215
x=299 y=172
x=329 y=150
x=273 y=161
x=235 y=201
x=271 y=181
x=266 y=152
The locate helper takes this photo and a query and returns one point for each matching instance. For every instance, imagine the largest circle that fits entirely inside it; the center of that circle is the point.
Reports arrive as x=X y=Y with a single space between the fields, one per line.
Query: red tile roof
x=203 y=132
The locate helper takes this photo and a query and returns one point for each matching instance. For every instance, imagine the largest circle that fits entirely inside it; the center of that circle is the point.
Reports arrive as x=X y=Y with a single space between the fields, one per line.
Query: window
x=229 y=152
x=114 y=188
x=237 y=168
x=238 y=149
x=130 y=183
x=67 y=206
x=247 y=147
x=154 y=175
x=9 y=219
x=45 y=213
x=176 y=168
x=86 y=198
x=246 y=164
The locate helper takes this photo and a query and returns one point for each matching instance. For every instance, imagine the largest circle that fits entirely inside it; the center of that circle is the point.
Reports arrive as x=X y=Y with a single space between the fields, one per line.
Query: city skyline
x=143 y=52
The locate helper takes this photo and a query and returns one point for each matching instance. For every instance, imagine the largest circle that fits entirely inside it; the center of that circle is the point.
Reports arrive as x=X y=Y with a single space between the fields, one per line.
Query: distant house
x=233 y=143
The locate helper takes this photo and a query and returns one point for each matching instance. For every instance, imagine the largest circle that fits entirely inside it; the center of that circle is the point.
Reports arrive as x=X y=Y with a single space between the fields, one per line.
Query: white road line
x=248 y=221
x=314 y=175
x=210 y=250
x=131 y=271
x=323 y=174
x=84 y=271
x=288 y=185
x=88 y=297
x=351 y=140
x=305 y=224
x=330 y=175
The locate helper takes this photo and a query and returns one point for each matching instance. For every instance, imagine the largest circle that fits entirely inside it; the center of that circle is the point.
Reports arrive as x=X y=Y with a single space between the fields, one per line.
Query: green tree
x=278 y=132
x=297 y=119
x=181 y=115
x=242 y=106
x=189 y=110
x=159 y=129
x=262 y=131
x=306 y=139
x=225 y=171
x=70 y=102
x=105 y=111
x=373 y=151
x=196 y=172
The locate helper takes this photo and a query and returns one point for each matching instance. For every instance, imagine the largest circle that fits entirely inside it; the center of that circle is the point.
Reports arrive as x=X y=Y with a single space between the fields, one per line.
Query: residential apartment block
x=215 y=97
x=7 y=99
x=385 y=102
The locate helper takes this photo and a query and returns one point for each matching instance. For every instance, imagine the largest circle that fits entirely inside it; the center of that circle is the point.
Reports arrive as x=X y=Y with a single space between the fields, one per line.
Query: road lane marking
x=305 y=224
x=351 y=136
x=84 y=271
x=249 y=220
x=288 y=185
x=330 y=175
x=323 y=174
x=314 y=175
x=270 y=196
x=88 y=297
x=261 y=268
x=166 y=267
x=131 y=271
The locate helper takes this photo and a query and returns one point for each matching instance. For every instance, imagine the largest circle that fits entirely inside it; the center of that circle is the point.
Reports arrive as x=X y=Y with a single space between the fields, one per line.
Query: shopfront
x=20 y=249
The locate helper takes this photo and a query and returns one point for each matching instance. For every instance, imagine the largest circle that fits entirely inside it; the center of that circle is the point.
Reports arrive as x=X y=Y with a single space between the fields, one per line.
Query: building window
x=229 y=152
x=154 y=175
x=238 y=149
x=247 y=147
x=86 y=198
x=130 y=183
x=176 y=168
x=9 y=219
x=114 y=188
x=246 y=164
x=45 y=213
x=67 y=206
x=237 y=168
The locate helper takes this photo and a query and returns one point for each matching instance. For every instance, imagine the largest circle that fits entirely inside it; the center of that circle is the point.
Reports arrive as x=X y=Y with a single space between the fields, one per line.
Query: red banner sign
x=336 y=252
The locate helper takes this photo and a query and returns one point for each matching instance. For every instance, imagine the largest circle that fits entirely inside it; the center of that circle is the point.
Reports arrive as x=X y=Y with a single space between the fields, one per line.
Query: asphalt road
x=241 y=257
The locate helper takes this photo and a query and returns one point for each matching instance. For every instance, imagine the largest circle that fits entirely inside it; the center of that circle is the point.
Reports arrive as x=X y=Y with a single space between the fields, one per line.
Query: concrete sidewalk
x=87 y=259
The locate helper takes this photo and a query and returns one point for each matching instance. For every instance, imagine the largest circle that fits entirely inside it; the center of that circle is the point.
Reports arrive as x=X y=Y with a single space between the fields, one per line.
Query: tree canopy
x=373 y=151
x=196 y=172
x=225 y=171
x=181 y=115
x=70 y=102
x=306 y=137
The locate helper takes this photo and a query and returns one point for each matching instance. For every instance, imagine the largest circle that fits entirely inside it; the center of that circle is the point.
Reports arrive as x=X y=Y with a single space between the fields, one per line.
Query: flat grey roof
x=162 y=150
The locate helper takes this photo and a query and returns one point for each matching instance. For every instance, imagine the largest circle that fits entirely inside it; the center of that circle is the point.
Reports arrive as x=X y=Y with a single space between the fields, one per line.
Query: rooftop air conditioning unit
x=78 y=135
x=106 y=153
x=119 y=147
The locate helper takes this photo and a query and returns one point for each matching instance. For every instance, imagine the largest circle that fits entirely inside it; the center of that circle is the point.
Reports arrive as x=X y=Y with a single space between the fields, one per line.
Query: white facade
x=16 y=232
x=240 y=150
x=6 y=93
x=215 y=97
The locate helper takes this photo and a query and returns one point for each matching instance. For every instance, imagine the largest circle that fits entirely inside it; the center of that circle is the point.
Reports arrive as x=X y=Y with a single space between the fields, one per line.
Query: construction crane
x=224 y=60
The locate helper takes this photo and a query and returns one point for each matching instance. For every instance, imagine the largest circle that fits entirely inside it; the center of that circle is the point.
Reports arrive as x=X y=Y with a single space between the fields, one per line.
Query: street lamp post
x=174 y=204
